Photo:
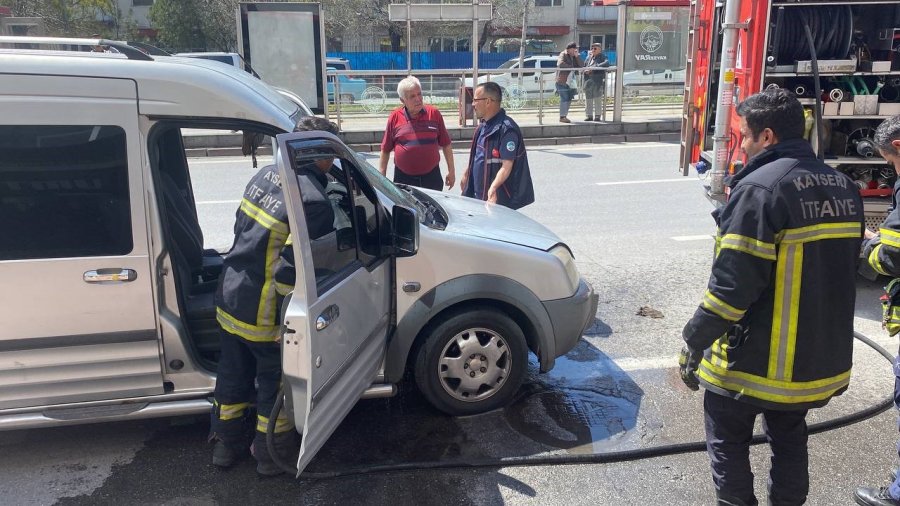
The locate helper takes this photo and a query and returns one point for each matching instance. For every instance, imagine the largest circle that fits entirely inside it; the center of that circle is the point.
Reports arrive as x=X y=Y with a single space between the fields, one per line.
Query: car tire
x=488 y=378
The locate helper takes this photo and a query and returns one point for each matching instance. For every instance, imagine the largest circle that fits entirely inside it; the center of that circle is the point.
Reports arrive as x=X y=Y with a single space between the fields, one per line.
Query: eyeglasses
x=595 y=49
x=480 y=99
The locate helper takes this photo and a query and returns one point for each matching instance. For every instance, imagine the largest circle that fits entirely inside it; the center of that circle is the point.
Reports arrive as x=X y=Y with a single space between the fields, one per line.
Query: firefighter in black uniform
x=774 y=332
x=882 y=250
x=258 y=272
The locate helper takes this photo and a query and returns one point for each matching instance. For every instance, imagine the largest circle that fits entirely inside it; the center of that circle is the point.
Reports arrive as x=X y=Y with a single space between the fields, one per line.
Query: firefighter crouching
x=882 y=251
x=774 y=332
x=258 y=272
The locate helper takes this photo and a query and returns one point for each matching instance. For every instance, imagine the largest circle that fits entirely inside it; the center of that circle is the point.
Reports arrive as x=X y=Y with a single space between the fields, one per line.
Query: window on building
x=141 y=3
x=547 y=3
x=63 y=192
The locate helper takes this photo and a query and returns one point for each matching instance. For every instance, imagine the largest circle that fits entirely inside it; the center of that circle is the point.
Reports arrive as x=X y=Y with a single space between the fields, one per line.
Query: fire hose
x=559 y=460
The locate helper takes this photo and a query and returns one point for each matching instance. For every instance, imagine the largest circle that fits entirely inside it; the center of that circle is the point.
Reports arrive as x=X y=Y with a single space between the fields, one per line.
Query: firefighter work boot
x=285 y=444
x=223 y=455
x=870 y=496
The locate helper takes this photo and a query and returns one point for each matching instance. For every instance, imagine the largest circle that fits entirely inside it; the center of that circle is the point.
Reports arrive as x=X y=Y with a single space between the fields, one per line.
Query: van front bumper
x=571 y=317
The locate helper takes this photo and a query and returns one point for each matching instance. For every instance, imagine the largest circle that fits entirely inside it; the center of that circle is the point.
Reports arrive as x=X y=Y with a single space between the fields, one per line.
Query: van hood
x=477 y=218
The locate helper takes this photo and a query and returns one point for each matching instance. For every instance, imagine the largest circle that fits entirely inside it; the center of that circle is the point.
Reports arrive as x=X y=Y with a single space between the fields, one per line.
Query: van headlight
x=561 y=251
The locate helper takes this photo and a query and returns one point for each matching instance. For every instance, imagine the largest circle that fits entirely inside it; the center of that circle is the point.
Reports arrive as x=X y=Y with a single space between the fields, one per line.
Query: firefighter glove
x=688 y=362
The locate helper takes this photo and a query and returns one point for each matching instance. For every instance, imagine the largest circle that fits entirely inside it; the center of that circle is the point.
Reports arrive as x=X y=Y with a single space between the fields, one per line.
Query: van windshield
x=383 y=184
x=508 y=65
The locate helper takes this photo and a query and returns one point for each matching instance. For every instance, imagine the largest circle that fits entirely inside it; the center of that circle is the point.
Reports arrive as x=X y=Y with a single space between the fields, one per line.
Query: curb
x=662 y=130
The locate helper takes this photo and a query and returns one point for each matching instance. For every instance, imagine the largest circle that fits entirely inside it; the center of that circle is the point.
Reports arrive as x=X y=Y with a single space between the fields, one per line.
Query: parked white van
x=107 y=285
x=507 y=78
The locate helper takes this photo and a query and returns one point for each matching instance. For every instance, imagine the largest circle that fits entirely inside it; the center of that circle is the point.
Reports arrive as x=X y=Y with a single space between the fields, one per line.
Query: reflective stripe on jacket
x=776 y=322
x=248 y=298
x=883 y=255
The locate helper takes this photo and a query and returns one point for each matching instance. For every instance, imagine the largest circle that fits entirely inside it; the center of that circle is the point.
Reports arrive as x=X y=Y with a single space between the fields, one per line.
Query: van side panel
x=77 y=305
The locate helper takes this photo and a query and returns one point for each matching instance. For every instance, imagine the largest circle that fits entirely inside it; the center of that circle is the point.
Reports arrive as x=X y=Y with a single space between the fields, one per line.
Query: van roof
x=167 y=85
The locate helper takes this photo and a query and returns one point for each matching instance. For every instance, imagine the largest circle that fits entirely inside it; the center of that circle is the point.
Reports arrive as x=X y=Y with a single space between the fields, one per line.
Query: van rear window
x=63 y=192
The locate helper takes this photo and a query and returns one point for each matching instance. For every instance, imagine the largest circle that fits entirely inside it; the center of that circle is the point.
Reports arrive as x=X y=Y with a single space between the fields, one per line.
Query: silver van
x=107 y=281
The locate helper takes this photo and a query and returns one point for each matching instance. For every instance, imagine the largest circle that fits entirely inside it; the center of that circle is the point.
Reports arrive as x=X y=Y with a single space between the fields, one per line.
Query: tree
x=179 y=24
x=196 y=24
x=70 y=18
x=509 y=17
x=361 y=16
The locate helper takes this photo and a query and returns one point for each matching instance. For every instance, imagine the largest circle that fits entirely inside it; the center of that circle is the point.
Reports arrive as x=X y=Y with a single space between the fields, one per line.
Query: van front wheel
x=472 y=362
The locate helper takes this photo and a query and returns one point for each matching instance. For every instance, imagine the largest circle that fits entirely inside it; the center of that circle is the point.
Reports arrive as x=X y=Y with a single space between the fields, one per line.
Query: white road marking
x=643 y=364
x=219 y=202
x=705 y=237
x=204 y=160
x=592 y=147
x=648 y=181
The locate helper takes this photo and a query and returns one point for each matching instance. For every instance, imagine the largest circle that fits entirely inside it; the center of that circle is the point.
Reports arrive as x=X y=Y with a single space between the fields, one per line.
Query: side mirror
x=404 y=231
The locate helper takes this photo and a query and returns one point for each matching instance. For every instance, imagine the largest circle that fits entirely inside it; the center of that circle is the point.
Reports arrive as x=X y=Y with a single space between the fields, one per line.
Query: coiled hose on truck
x=559 y=460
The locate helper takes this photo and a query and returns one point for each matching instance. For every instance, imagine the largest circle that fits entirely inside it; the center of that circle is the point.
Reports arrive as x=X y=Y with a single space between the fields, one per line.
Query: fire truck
x=842 y=60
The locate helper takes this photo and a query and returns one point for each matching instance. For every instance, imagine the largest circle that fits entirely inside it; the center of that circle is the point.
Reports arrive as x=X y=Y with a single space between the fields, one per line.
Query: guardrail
x=528 y=91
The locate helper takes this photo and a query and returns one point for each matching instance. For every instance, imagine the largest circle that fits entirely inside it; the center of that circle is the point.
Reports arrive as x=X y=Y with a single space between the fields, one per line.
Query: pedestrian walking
x=498 y=163
x=416 y=133
x=882 y=251
x=568 y=59
x=774 y=332
x=595 y=83
x=257 y=273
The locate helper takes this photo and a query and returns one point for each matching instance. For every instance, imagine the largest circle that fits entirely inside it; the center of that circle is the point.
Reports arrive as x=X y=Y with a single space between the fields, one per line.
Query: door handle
x=327 y=317
x=116 y=275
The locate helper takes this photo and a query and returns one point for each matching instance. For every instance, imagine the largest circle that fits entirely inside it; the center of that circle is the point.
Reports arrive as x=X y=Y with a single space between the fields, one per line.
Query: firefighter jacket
x=776 y=321
x=259 y=270
x=517 y=191
x=883 y=254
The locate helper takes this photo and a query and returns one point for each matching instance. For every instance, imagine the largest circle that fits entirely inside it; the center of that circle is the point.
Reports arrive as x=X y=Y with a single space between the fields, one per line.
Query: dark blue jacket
x=517 y=191
x=776 y=321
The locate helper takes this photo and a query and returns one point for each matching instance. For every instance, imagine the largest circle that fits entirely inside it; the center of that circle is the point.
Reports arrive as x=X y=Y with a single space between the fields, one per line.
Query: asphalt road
x=641 y=235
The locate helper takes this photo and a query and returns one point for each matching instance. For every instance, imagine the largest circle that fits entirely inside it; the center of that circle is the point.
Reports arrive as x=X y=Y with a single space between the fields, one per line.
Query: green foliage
x=179 y=24
x=71 y=18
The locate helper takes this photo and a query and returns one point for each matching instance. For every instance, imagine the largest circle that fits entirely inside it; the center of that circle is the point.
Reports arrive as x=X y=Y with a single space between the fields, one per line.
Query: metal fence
x=427 y=60
x=528 y=94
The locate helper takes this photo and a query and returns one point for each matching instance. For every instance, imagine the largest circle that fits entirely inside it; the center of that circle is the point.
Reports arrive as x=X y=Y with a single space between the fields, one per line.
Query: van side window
x=341 y=218
x=63 y=192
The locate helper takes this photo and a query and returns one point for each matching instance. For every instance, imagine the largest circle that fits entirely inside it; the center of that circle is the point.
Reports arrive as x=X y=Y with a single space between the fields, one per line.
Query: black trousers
x=431 y=180
x=241 y=364
x=729 y=429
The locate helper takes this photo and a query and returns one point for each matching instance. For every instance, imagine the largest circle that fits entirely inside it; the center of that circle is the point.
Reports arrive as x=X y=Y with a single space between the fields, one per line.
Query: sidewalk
x=363 y=132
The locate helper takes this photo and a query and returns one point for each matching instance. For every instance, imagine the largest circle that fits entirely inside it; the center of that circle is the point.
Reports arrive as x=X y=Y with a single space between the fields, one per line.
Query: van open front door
x=336 y=320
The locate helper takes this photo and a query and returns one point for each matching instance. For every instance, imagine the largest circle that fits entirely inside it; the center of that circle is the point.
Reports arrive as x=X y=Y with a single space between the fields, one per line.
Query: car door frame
x=318 y=404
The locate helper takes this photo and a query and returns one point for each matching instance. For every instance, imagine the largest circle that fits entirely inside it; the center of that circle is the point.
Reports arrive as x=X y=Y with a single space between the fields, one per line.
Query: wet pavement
x=617 y=390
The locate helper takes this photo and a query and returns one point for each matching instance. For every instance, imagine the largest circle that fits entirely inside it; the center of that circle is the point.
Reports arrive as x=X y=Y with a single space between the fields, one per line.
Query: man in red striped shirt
x=416 y=133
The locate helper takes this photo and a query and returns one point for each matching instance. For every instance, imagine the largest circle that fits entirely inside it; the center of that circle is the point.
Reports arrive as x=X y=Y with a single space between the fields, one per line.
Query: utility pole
x=408 y=38
x=522 y=40
x=475 y=50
